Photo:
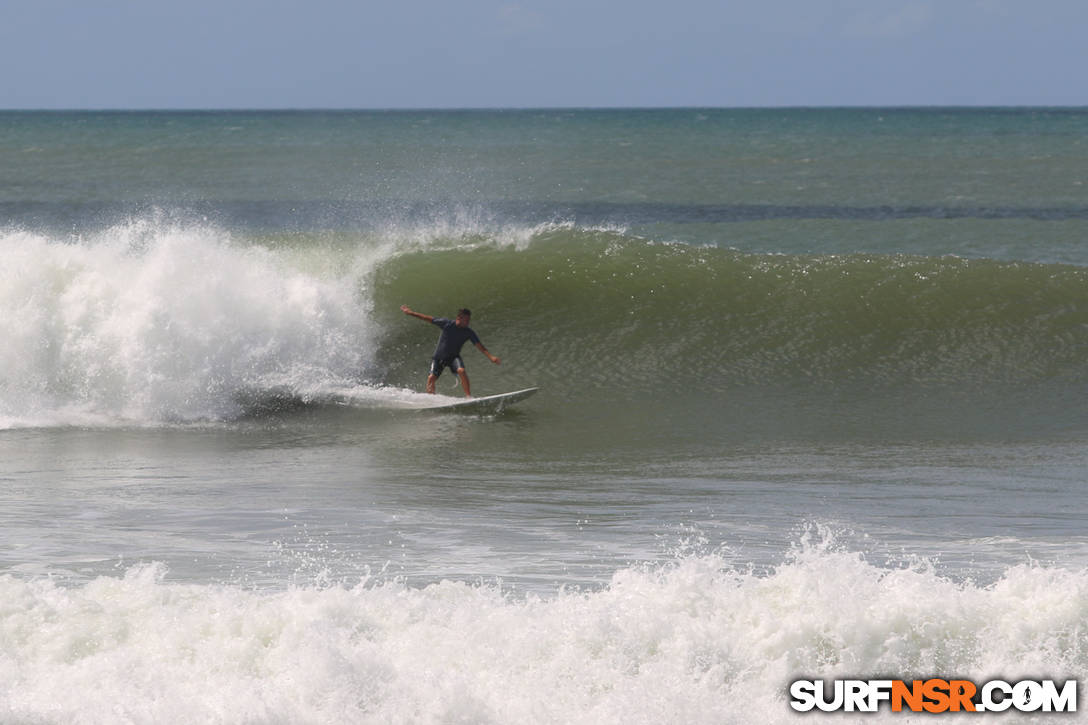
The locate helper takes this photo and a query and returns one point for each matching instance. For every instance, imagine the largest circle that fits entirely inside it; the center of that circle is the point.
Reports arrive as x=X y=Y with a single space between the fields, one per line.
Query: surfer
x=447 y=354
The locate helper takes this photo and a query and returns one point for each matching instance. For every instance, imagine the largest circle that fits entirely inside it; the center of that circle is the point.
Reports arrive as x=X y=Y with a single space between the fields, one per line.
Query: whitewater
x=697 y=641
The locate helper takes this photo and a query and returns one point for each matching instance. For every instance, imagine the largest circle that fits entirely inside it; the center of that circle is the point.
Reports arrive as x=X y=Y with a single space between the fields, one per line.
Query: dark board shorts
x=453 y=363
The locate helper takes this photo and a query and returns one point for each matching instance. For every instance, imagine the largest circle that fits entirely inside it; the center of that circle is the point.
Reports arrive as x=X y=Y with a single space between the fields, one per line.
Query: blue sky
x=540 y=53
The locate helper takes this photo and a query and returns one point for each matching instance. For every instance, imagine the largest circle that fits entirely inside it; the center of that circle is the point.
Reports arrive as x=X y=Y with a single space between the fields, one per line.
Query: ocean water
x=814 y=403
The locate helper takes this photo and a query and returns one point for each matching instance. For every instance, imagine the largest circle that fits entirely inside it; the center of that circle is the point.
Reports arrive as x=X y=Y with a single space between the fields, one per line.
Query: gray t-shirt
x=452 y=338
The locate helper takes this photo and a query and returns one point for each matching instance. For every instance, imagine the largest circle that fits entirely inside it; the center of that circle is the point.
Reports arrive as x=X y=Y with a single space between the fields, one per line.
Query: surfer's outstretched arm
x=492 y=358
x=408 y=311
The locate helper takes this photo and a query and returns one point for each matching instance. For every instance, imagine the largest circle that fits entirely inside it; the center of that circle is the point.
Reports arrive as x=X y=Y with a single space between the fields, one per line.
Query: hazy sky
x=534 y=53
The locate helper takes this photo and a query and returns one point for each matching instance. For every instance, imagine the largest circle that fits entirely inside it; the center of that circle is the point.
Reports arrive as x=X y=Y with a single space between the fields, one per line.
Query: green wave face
x=606 y=320
x=670 y=315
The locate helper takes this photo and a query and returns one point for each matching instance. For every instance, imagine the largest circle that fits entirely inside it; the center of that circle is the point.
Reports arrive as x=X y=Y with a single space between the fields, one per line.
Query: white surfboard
x=487 y=404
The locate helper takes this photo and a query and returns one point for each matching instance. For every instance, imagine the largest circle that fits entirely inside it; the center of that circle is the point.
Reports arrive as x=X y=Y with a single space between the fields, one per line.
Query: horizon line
x=471 y=109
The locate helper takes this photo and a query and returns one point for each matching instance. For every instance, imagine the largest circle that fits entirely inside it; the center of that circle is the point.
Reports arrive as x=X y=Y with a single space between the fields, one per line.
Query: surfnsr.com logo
x=933 y=695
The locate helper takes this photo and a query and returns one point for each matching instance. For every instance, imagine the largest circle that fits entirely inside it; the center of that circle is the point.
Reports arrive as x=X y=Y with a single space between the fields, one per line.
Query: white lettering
x=990 y=704
x=880 y=691
x=830 y=705
x=803 y=693
x=1027 y=696
x=1064 y=701
x=856 y=696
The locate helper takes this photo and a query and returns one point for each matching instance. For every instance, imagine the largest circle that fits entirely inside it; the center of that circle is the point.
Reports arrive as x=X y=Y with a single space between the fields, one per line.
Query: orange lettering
x=911 y=695
x=936 y=691
x=961 y=693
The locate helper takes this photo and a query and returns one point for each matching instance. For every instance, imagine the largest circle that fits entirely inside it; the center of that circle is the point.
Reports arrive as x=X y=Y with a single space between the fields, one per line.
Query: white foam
x=149 y=322
x=376 y=396
x=694 y=641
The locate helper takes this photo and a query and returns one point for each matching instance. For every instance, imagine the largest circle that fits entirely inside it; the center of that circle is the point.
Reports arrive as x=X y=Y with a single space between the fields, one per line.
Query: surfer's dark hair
x=465 y=311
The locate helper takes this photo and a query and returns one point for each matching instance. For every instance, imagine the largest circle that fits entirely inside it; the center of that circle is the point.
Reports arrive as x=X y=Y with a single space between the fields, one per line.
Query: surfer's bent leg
x=436 y=370
x=464 y=382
